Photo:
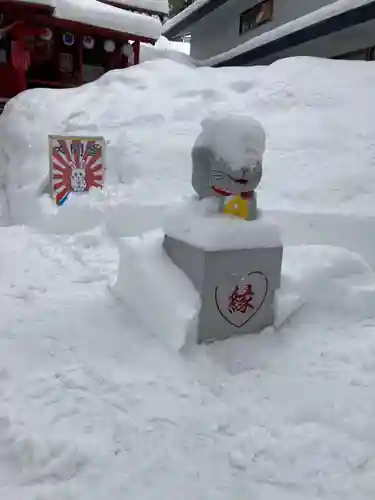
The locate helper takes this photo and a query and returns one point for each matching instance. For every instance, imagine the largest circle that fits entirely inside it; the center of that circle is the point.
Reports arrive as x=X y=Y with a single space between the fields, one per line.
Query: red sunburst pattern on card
x=77 y=166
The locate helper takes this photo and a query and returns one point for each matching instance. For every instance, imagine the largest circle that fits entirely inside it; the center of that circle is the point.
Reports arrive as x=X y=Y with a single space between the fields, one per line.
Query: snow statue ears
x=227 y=163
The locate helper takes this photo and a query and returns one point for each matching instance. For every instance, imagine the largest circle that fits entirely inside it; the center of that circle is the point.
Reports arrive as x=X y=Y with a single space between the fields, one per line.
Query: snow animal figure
x=78 y=180
x=227 y=162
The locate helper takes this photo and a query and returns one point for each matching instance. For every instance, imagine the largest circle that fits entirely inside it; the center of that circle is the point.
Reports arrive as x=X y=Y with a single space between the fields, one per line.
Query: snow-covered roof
x=105 y=16
x=161 y=6
x=181 y=16
x=189 y=15
x=317 y=16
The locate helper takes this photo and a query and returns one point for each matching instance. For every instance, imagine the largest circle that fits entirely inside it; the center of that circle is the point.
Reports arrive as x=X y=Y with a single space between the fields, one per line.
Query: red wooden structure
x=40 y=50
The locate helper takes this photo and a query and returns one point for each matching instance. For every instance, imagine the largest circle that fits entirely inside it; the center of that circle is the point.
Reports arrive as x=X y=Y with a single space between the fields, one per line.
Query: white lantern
x=109 y=46
x=127 y=50
x=88 y=42
x=68 y=39
x=46 y=35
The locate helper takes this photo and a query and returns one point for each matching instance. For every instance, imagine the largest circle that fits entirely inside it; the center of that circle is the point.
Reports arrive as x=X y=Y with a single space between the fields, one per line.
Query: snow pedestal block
x=236 y=278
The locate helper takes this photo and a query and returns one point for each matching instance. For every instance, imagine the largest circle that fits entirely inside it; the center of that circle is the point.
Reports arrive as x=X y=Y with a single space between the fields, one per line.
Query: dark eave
x=335 y=24
x=183 y=26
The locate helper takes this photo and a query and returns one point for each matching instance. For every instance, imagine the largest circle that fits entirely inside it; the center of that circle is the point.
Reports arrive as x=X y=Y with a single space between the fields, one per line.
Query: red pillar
x=20 y=60
x=20 y=57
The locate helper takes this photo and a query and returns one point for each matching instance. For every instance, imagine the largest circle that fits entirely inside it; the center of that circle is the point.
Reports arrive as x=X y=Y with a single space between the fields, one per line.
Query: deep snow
x=93 y=404
x=320 y=143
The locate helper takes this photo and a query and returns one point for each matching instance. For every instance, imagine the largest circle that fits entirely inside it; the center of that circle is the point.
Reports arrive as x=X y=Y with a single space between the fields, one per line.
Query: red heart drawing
x=238 y=303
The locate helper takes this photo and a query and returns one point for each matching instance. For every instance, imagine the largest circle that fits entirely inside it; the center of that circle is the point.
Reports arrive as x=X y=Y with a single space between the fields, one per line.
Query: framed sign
x=76 y=165
x=66 y=63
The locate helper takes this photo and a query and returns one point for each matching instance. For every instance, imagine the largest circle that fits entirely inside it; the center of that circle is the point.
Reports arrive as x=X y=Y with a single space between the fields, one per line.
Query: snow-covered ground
x=92 y=404
x=164 y=48
x=320 y=136
x=164 y=43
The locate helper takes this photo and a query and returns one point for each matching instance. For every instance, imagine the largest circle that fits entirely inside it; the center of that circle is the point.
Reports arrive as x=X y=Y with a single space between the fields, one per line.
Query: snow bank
x=235 y=139
x=352 y=232
x=151 y=114
x=165 y=49
x=318 y=276
x=166 y=302
x=93 y=406
x=200 y=225
x=164 y=43
x=156 y=290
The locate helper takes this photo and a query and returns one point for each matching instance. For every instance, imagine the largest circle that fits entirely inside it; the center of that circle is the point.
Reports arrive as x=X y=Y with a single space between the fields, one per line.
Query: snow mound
x=150 y=116
x=164 y=299
x=164 y=43
x=156 y=290
x=319 y=275
x=237 y=140
x=165 y=49
x=93 y=405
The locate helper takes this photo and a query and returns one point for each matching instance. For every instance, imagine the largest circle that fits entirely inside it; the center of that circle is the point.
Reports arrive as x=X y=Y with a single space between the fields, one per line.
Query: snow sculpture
x=227 y=163
x=234 y=264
